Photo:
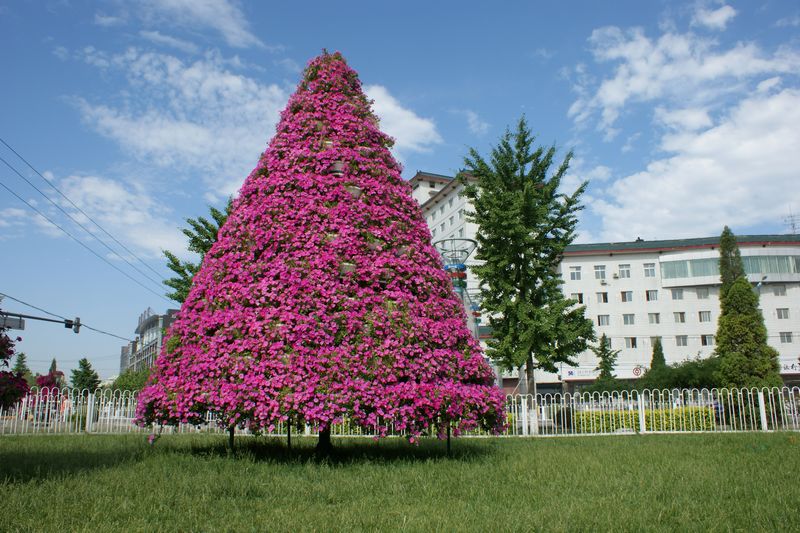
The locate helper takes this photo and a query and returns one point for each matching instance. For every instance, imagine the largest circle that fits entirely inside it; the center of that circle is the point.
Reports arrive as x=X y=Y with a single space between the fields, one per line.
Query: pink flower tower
x=323 y=298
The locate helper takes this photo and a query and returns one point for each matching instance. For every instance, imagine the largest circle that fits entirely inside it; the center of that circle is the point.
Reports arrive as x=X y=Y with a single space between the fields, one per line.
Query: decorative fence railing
x=653 y=411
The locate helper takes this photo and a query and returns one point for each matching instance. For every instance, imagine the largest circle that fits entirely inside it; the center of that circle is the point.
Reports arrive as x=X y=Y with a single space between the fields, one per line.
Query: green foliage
x=21 y=368
x=696 y=373
x=745 y=358
x=524 y=223
x=679 y=418
x=731 y=266
x=85 y=377
x=132 y=380
x=607 y=357
x=658 y=361
x=202 y=235
x=607 y=381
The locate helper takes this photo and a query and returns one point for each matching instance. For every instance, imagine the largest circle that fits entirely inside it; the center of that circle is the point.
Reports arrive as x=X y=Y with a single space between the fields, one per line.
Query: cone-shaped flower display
x=323 y=297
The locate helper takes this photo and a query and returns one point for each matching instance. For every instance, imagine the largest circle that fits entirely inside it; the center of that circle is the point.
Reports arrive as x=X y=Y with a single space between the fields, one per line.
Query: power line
x=84 y=228
x=103 y=259
x=59 y=316
x=79 y=209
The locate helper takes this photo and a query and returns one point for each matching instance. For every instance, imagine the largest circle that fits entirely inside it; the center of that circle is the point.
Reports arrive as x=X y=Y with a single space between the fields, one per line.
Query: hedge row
x=681 y=418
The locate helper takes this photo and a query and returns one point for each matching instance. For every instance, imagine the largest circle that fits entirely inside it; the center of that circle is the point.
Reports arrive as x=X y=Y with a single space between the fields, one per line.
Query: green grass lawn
x=191 y=483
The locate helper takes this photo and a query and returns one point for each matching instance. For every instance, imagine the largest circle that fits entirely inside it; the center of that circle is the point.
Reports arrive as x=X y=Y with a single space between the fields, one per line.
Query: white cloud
x=715 y=19
x=199 y=116
x=683 y=69
x=411 y=132
x=690 y=119
x=61 y=53
x=108 y=21
x=222 y=16
x=769 y=84
x=128 y=213
x=179 y=44
x=742 y=171
x=476 y=125
x=793 y=21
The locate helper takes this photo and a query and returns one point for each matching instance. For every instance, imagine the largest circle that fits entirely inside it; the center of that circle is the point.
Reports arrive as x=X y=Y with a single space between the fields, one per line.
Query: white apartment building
x=637 y=291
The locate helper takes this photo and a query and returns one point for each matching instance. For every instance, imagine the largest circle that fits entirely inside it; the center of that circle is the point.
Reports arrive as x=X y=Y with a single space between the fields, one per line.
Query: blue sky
x=682 y=114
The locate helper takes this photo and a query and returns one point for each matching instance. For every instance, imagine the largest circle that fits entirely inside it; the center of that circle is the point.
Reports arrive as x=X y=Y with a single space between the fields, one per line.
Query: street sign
x=11 y=322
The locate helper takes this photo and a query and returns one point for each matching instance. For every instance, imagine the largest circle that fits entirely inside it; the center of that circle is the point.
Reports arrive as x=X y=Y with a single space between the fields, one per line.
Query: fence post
x=524 y=415
x=762 y=411
x=89 y=412
x=535 y=416
x=642 y=424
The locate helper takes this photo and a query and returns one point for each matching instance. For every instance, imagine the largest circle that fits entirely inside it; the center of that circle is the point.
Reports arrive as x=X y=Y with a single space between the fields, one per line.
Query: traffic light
x=76 y=326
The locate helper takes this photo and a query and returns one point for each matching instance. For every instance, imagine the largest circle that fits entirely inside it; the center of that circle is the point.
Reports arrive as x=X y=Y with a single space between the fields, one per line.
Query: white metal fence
x=61 y=411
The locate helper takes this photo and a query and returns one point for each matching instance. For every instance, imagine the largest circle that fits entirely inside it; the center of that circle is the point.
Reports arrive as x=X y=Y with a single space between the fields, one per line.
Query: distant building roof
x=429 y=176
x=640 y=245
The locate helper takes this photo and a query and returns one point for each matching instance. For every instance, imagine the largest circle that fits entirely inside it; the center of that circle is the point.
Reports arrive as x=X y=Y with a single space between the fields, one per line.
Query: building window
x=653 y=340
x=599 y=272
x=461 y=214
x=649 y=270
x=441 y=211
x=651 y=296
x=451 y=221
x=783 y=313
x=707 y=340
x=627 y=296
x=442 y=226
x=575 y=273
x=602 y=297
x=779 y=290
x=603 y=320
x=432 y=185
x=628 y=319
x=705 y=316
x=630 y=342
x=461 y=232
x=677 y=294
x=786 y=337
x=681 y=340
x=624 y=271
x=702 y=293
x=577 y=296
x=680 y=317
x=450 y=202
x=654 y=318
x=433 y=232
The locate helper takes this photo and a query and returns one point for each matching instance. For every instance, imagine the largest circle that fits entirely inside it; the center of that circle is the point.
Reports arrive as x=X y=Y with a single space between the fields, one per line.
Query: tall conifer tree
x=745 y=358
x=731 y=265
x=323 y=297
x=524 y=224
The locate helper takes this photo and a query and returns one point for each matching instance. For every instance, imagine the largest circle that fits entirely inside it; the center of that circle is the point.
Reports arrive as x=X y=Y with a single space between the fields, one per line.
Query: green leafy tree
x=524 y=223
x=202 y=234
x=745 y=358
x=85 y=377
x=132 y=380
x=21 y=368
x=731 y=266
x=606 y=380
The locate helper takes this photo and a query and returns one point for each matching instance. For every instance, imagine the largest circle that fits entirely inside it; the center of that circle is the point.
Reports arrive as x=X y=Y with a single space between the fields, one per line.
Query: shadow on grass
x=33 y=461
x=345 y=451
x=40 y=458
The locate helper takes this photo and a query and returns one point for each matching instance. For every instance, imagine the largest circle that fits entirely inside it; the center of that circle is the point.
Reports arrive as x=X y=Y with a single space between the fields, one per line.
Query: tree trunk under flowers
x=323 y=298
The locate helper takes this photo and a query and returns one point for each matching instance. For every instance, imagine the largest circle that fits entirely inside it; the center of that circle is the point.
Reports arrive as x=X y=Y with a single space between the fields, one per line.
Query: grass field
x=191 y=483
